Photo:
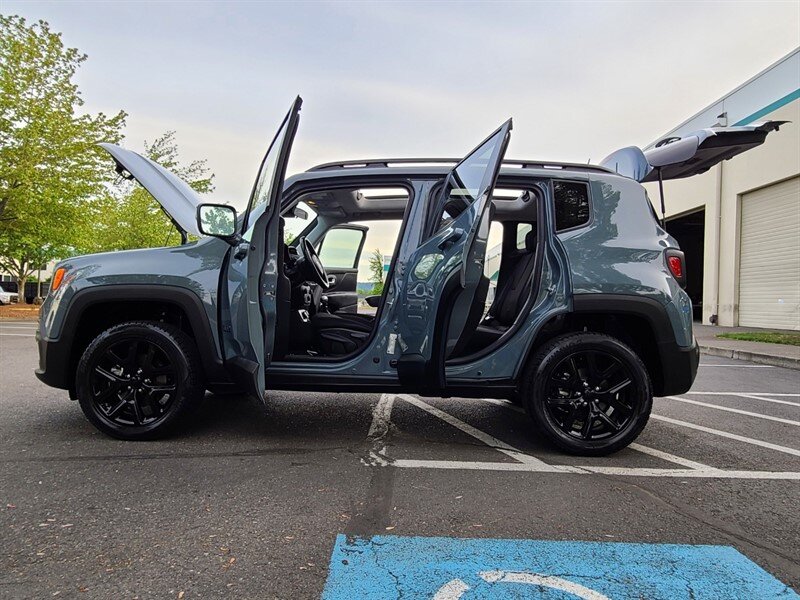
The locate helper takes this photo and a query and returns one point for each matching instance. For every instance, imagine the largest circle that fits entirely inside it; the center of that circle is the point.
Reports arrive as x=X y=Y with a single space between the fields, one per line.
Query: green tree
x=376 y=272
x=50 y=166
x=129 y=217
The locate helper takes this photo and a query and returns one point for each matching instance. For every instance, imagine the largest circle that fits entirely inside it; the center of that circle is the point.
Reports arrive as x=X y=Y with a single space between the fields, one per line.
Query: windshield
x=297 y=221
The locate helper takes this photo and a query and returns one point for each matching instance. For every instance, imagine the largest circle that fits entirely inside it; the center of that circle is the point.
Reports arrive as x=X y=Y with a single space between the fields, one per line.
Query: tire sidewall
x=165 y=339
x=546 y=361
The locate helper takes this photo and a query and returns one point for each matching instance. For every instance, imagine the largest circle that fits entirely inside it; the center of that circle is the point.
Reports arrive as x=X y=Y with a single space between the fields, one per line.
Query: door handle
x=331 y=279
x=451 y=238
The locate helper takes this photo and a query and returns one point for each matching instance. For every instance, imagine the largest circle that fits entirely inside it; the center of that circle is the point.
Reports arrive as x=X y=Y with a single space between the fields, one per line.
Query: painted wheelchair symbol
x=455 y=588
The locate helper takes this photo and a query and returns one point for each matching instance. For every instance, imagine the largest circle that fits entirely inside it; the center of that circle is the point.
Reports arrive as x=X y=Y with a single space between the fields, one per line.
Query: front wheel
x=135 y=379
x=588 y=393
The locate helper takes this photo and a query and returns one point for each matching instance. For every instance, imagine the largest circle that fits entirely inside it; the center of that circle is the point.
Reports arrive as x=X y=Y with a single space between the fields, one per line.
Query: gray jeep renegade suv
x=581 y=318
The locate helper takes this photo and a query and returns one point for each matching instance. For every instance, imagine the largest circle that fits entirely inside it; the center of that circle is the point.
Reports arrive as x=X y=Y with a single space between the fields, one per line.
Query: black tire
x=136 y=379
x=575 y=391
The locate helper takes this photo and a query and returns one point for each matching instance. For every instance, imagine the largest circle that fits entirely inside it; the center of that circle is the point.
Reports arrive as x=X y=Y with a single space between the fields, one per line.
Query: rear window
x=572 y=204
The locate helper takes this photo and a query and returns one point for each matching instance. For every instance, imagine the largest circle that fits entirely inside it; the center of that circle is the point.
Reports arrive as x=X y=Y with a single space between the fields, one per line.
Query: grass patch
x=770 y=337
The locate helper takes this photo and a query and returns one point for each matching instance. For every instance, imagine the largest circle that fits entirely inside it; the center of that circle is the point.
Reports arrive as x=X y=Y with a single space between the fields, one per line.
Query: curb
x=756 y=357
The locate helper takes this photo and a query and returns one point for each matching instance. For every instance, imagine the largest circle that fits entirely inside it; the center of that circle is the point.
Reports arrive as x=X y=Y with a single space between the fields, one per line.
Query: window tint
x=572 y=204
x=340 y=247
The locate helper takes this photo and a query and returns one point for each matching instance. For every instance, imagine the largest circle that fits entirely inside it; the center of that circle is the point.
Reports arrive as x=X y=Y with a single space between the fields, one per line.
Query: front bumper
x=54 y=362
x=678 y=368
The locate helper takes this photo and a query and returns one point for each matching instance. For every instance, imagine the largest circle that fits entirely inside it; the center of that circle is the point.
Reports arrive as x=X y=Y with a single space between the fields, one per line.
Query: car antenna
x=661 y=194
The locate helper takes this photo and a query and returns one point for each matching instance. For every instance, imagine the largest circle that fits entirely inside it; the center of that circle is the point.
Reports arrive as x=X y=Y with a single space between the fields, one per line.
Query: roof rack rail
x=386 y=162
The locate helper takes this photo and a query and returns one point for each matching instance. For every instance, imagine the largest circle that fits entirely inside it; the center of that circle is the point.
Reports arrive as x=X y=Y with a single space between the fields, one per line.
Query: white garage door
x=769 y=263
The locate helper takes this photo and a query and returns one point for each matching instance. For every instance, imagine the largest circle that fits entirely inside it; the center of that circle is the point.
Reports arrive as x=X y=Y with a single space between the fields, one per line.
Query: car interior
x=338 y=241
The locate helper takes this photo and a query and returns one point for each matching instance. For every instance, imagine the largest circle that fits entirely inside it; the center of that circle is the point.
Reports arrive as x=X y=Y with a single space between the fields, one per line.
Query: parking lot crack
x=724 y=529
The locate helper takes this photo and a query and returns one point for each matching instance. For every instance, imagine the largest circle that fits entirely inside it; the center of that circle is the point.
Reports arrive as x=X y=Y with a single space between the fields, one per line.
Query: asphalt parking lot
x=248 y=501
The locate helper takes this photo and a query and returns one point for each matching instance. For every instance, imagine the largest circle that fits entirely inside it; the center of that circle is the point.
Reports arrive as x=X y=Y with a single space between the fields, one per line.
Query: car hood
x=177 y=199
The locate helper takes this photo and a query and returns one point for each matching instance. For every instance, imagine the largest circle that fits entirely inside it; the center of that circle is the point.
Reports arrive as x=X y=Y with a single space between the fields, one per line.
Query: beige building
x=739 y=223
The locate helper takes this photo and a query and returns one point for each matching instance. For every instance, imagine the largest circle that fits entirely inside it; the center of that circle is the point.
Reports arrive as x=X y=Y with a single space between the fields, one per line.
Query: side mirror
x=217 y=220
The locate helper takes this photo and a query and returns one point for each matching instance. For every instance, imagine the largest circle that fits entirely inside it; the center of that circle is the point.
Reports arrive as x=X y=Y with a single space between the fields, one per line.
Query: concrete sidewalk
x=780 y=355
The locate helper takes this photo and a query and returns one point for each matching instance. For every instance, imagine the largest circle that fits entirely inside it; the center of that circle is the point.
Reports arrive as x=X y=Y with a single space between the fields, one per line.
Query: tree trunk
x=21 y=281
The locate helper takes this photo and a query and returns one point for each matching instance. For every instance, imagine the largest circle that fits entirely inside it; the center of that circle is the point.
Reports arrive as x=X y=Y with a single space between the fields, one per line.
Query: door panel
x=443 y=277
x=252 y=275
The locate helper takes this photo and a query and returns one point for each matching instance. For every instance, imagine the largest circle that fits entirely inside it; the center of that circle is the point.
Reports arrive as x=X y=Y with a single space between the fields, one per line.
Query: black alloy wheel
x=133 y=382
x=588 y=393
x=135 y=379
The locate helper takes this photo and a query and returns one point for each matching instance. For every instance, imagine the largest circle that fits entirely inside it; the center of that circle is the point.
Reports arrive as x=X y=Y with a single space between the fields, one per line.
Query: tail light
x=676 y=262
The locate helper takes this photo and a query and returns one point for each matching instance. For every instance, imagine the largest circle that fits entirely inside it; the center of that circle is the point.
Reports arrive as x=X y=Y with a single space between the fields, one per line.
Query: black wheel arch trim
x=678 y=364
x=648 y=308
x=56 y=356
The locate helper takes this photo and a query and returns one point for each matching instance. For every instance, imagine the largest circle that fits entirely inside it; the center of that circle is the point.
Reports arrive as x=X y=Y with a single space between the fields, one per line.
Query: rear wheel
x=588 y=393
x=135 y=379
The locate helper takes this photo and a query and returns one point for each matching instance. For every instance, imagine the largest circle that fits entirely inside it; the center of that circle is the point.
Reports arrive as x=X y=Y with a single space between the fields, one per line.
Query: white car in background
x=8 y=297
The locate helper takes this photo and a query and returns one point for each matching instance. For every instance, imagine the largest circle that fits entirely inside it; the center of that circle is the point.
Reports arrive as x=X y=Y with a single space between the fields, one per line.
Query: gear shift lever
x=323 y=304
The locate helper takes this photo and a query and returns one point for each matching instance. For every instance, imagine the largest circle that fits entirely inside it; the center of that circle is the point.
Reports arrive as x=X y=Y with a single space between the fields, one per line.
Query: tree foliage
x=376 y=272
x=130 y=217
x=50 y=166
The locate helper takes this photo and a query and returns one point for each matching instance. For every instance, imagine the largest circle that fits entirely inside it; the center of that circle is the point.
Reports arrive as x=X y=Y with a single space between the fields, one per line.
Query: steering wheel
x=313 y=265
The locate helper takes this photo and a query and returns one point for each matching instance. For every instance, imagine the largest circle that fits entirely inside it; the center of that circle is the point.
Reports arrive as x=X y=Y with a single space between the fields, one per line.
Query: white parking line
x=765 y=399
x=405 y=463
x=527 y=463
x=505 y=404
x=685 y=462
x=487 y=439
x=752 y=396
x=740 y=366
x=18 y=335
x=746 y=393
x=725 y=434
x=734 y=410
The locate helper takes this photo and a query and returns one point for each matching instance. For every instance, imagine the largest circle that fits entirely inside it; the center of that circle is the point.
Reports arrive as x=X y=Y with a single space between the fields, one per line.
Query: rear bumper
x=53 y=363
x=679 y=368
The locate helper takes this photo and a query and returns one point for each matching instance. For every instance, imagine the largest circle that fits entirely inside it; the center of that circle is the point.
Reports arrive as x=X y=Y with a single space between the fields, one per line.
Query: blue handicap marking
x=471 y=569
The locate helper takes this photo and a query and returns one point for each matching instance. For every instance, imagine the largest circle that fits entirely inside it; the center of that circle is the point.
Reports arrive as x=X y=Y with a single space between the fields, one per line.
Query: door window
x=340 y=248
x=468 y=182
x=272 y=167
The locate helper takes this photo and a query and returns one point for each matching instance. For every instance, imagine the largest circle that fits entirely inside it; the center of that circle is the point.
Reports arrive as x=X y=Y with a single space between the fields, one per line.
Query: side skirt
x=364 y=385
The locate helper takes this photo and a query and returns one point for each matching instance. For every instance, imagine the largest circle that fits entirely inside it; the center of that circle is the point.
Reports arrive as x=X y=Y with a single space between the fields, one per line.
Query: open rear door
x=443 y=281
x=688 y=155
x=252 y=275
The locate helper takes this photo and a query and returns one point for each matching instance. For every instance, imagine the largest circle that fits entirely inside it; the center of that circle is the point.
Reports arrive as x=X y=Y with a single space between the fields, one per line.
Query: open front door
x=252 y=277
x=443 y=286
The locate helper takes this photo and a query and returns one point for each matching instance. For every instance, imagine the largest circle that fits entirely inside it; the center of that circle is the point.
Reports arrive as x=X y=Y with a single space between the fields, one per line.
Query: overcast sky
x=411 y=79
